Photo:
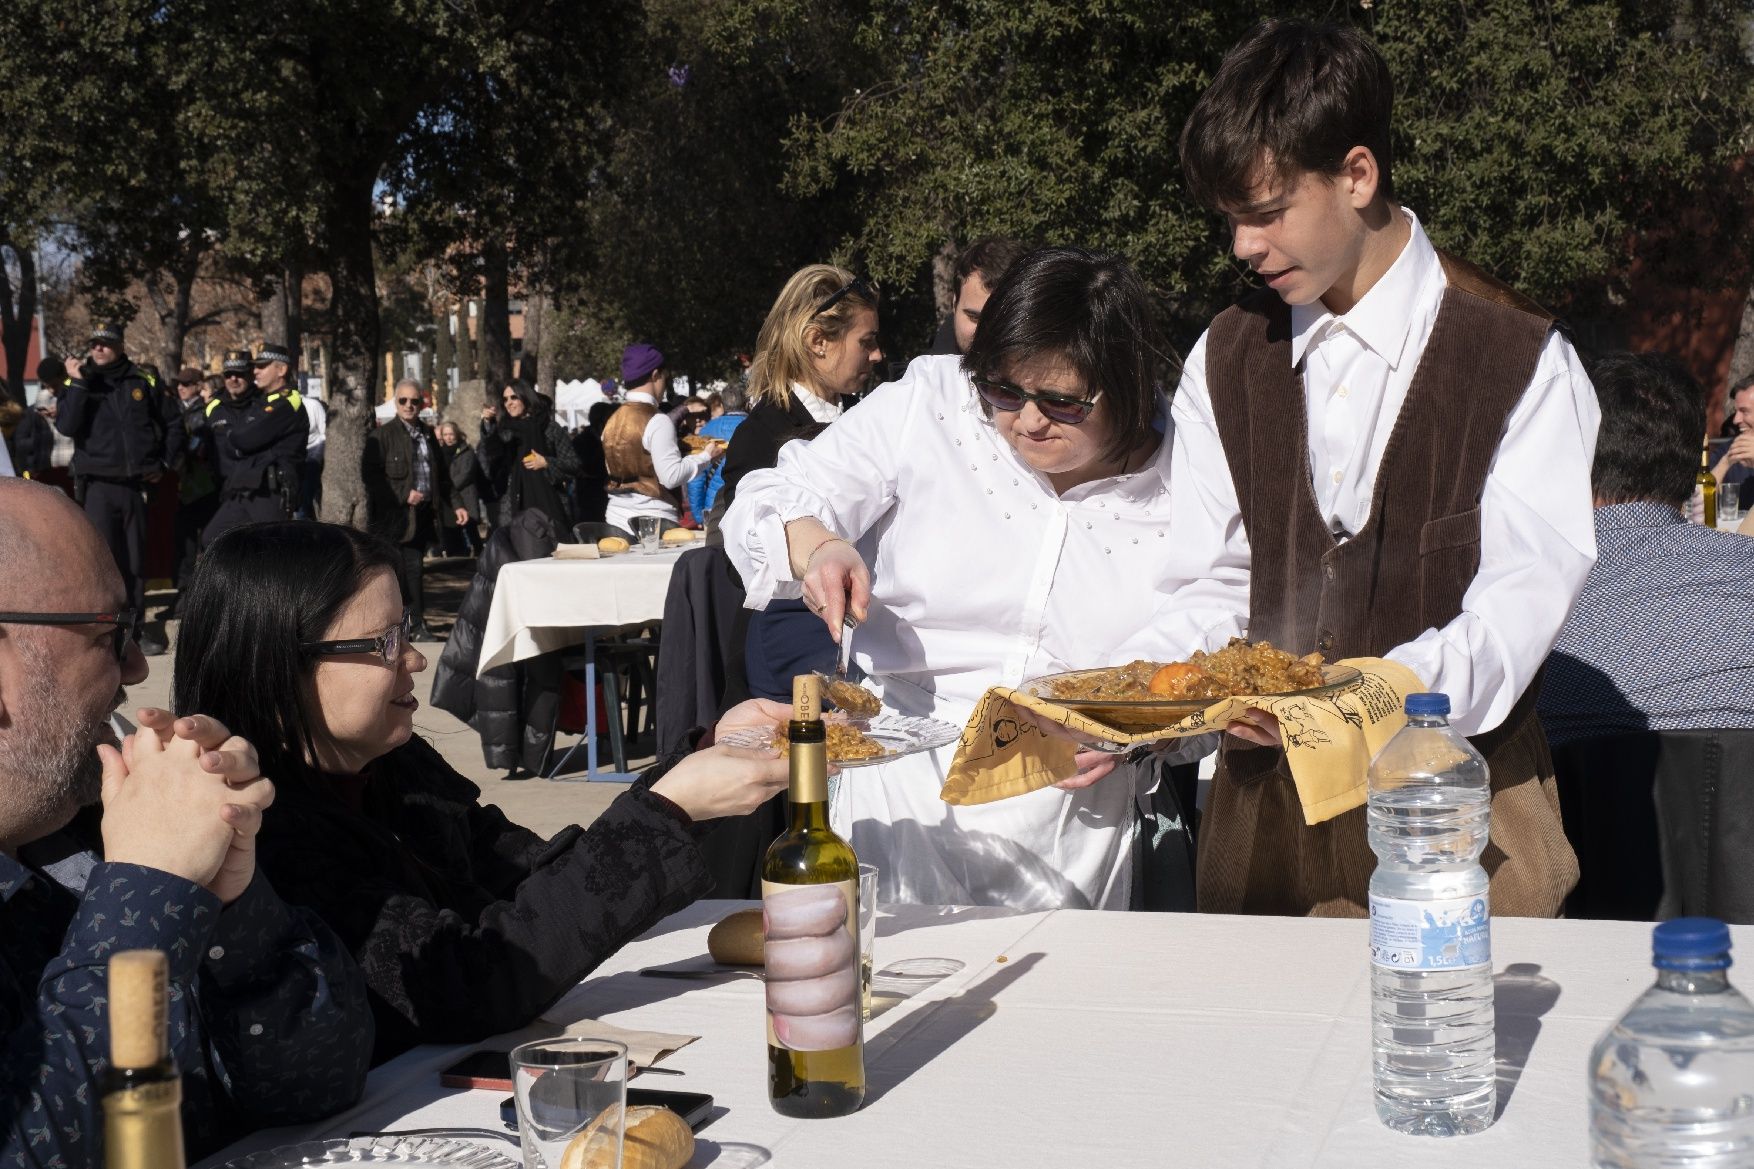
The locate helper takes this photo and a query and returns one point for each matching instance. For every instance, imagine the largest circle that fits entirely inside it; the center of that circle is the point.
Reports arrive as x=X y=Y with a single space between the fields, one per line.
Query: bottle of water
x=1672 y=1083
x=1430 y=929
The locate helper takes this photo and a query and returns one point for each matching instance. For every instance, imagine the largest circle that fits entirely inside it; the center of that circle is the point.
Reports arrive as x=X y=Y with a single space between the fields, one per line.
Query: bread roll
x=737 y=941
x=680 y=536
x=655 y=1138
x=612 y=544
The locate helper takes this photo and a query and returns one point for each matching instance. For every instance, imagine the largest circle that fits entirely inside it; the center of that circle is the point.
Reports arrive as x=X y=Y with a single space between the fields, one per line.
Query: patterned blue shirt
x=1660 y=638
x=269 y=1021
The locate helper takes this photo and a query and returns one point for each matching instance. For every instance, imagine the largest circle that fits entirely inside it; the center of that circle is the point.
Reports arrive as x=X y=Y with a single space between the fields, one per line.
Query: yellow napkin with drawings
x=1329 y=740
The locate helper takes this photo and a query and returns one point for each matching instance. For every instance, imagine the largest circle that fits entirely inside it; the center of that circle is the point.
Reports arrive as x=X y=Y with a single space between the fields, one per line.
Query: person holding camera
x=257 y=436
x=125 y=432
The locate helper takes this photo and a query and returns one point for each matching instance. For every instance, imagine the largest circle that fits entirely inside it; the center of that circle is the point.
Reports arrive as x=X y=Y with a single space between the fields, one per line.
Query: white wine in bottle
x=810 y=912
x=143 y=1127
x=1705 y=488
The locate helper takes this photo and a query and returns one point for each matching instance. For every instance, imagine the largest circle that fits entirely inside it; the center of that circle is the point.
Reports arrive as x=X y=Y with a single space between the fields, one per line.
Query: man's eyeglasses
x=407 y=401
x=387 y=645
x=857 y=284
x=1002 y=395
x=123 y=620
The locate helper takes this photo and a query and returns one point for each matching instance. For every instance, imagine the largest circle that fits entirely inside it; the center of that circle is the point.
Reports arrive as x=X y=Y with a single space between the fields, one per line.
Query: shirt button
x=1341 y=392
x=255 y=1028
x=216 y=953
x=1007 y=515
x=1088 y=524
x=989 y=491
x=1338 y=476
x=959 y=442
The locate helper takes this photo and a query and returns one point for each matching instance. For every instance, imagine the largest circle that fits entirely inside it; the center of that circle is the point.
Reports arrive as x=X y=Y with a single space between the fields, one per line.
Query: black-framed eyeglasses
x=388 y=645
x=1002 y=395
x=857 y=284
x=122 y=619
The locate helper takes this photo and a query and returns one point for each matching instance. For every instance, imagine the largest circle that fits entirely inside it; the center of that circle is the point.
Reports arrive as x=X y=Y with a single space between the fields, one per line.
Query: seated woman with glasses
x=987 y=519
x=465 y=924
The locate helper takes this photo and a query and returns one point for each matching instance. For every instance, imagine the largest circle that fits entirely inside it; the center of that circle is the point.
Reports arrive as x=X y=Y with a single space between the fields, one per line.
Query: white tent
x=573 y=401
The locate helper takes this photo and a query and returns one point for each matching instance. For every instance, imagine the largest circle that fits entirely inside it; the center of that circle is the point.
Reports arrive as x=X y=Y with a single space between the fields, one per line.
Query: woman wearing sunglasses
x=529 y=456
x=465 y=924
x=985 y=520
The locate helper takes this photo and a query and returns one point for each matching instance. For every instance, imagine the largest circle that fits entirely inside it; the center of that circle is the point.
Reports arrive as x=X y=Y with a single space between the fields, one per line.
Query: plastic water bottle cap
x=1691 y=943
x=1427 y=704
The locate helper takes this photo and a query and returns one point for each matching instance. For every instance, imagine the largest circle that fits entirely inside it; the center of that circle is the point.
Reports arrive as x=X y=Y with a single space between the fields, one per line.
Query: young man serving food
x=1383 y=452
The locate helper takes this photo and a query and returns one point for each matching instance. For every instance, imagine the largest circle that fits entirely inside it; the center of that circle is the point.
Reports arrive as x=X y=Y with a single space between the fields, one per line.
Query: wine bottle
x=1706 y=484
x=142 y=1094
x=810 y=920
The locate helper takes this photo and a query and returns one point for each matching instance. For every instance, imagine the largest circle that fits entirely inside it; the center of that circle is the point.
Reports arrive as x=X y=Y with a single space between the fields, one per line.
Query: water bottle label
x=1430 y=935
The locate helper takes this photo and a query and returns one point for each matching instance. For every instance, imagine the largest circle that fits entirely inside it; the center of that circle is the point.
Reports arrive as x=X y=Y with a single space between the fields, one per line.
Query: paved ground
x=543 y=805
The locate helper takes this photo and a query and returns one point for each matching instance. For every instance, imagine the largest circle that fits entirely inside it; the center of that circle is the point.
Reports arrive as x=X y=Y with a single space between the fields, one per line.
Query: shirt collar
x=641 y=396
x=1383 y=316
x=817 y=408
x=13 y=877
x=1640 y=513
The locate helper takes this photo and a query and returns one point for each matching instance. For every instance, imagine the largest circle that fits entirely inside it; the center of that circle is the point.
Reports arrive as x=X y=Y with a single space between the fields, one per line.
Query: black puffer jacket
x=511 y=707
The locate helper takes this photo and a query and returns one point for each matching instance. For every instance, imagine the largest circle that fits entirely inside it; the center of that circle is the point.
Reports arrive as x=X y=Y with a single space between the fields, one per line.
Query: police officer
x=125 y=432
x=256 y=434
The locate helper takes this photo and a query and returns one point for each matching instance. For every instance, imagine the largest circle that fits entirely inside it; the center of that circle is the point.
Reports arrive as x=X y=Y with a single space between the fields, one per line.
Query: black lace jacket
x=466 y=924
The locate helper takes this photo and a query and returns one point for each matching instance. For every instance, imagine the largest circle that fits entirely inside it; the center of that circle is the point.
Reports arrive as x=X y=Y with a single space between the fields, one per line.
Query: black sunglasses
x=122 y=619
x=407 y=401
x=387 y=645
x=857 y=284
x=235 y=374
x=1002 y=395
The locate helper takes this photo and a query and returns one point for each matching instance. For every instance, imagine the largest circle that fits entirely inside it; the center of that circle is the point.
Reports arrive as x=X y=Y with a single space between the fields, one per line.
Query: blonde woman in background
x=817 y=350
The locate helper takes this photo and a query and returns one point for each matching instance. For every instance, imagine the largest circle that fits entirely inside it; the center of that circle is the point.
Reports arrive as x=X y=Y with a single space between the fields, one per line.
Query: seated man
x=1652 y=642
x=268 y=1015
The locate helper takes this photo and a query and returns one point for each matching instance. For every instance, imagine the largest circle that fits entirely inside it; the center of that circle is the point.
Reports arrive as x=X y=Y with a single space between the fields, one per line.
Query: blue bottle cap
x=1691 y=943
x=1427 y=704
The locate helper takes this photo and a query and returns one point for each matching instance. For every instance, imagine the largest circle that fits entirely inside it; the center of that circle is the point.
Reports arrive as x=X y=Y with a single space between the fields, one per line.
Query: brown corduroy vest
x=625 y=455
x=1406 y=571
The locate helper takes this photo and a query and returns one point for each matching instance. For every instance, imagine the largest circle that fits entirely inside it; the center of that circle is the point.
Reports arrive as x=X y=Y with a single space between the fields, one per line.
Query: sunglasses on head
x=387 y=645
x=1003 y=395
x=122 y=620
x=857 y=284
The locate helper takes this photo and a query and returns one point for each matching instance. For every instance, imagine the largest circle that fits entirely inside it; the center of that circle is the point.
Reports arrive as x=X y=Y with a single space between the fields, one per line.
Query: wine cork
x=139 y=1006
x=806 y=698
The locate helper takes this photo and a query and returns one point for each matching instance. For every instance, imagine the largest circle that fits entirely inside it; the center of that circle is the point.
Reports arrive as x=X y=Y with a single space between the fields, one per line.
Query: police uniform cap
x=270 y=353
x=109 y=334
x=237 y=361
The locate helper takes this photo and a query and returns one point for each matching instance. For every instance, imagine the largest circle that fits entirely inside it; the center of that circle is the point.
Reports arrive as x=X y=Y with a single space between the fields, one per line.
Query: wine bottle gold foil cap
x=139 y=1006
x=806 y=698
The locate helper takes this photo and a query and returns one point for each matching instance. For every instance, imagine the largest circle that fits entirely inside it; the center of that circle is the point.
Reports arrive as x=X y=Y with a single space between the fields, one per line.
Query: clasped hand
x=185 y=796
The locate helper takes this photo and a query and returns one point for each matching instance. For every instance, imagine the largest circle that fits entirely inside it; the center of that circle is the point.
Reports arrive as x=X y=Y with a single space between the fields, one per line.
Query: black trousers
x=192 y=519
x=413 y=562
x=118 y=511
x=237 y=509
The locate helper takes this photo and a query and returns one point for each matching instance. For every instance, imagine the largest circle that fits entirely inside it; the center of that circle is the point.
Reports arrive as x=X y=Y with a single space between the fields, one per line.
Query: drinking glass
x=562 y=1087
x=867 y=935
x=1729 y=505
x=648 y=529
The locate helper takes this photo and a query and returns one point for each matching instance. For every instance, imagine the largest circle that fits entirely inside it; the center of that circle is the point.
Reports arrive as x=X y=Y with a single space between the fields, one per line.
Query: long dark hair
x=1091 y=310
x=259 y=593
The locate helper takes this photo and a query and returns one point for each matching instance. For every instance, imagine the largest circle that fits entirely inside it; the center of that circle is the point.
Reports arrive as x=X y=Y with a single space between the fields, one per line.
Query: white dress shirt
x=981 y=576
x=673 y=468
x=1537 y=534
x=317 y=432
x=820 y=409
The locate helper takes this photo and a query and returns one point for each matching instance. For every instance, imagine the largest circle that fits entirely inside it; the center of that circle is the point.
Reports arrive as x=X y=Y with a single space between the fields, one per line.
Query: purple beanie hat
x=638 y=361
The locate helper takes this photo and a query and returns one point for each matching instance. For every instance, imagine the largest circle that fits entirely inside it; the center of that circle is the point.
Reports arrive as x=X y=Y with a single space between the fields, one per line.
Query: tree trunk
x=353 y=365
x=496 y=334
x=294 y=319
x=444 y=350
x=1742 y=357
x=18 y=310
x=173 y=312
x=944 y=288
x=531 y=367
x=468 y=351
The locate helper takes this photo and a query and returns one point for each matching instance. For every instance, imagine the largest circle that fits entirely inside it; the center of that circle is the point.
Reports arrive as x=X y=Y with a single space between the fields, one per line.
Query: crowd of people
x=1381 y=452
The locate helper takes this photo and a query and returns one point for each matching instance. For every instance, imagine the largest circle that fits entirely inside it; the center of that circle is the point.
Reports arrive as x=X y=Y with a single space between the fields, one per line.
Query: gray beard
x=48 y=759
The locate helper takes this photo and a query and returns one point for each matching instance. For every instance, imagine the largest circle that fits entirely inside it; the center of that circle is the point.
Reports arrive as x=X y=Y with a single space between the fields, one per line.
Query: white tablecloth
x=548 y=604
x=1083 y=1038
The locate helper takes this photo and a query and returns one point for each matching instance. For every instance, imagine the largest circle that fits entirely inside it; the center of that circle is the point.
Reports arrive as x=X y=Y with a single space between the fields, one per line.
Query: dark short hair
x=1091 y=310
x=1746 y=383
x=1294 y=96
x=992 y=257
x=260 y=592
x=1653 y=422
